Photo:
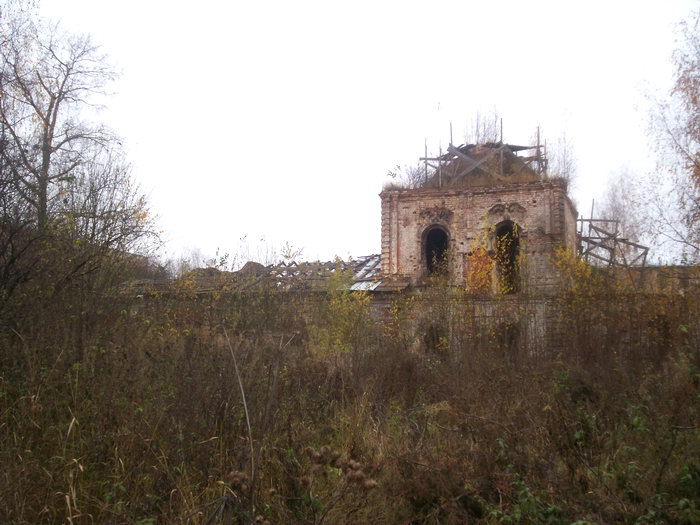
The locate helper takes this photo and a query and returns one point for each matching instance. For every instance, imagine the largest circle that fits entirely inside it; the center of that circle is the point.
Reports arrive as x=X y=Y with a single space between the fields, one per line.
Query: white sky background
x=280 y=120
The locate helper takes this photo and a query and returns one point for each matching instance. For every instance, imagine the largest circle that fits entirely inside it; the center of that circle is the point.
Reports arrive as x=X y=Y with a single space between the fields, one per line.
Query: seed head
x=318 y=470
x=356 y=476
x=369 y=484
x=238 y=480
x=335 y=459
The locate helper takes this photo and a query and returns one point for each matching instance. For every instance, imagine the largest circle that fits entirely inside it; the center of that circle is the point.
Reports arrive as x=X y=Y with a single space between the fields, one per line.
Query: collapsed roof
x=358 y=274
x=486 y=164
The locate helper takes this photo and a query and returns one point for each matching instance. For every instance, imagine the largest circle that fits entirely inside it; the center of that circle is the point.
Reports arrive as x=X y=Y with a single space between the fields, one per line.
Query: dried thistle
x=334 y=460
x=313 y=454
x=317 y=470
x=369 y=484
x=355 y=476
x=238 y=480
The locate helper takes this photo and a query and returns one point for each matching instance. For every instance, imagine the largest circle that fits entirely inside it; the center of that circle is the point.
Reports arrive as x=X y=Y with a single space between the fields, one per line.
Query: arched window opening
x=436 y=244
x=507 y=252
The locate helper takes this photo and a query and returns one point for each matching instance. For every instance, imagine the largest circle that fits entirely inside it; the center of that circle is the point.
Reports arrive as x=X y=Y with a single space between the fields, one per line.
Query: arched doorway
x=507 y=252
x=436 y=244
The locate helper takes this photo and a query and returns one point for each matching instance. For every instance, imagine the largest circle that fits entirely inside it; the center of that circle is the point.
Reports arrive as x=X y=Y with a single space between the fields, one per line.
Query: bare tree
x=16 y=239
x=620 y=203
x=670 y=201
x=561 y=159
x=483 y=128
x=408 y=177
x=46 y=78
x=99 y=205
x=673 y=192
x=68 y=205
x=680 y=123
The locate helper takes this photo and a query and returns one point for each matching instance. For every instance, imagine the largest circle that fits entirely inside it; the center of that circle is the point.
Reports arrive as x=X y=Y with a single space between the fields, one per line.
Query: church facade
x=485 y=203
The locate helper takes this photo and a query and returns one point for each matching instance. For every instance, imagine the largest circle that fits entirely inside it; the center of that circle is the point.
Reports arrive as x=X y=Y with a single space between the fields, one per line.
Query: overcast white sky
x=279 y=120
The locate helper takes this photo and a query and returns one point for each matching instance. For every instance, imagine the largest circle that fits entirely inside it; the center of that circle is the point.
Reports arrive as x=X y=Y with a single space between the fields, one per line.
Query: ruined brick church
x=487 y=198
x=487 y=209
x=483 y=226
x=478 y=196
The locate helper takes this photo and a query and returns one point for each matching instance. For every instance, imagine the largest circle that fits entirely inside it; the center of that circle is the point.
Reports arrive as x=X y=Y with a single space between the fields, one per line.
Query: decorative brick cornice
x=436 y=213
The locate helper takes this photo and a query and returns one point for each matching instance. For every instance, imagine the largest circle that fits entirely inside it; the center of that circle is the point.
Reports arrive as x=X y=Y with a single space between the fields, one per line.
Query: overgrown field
x=118 y=409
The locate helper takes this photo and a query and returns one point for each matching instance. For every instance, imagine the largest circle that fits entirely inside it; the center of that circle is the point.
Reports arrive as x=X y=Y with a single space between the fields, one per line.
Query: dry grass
x=128 y=411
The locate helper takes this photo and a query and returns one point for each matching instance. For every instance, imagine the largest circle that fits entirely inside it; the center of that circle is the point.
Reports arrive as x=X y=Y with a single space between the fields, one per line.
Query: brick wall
x=545 y=216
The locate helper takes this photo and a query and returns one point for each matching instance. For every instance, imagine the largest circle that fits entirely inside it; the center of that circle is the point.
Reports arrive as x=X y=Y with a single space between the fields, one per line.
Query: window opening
x=436 y=245
x=507 y=252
